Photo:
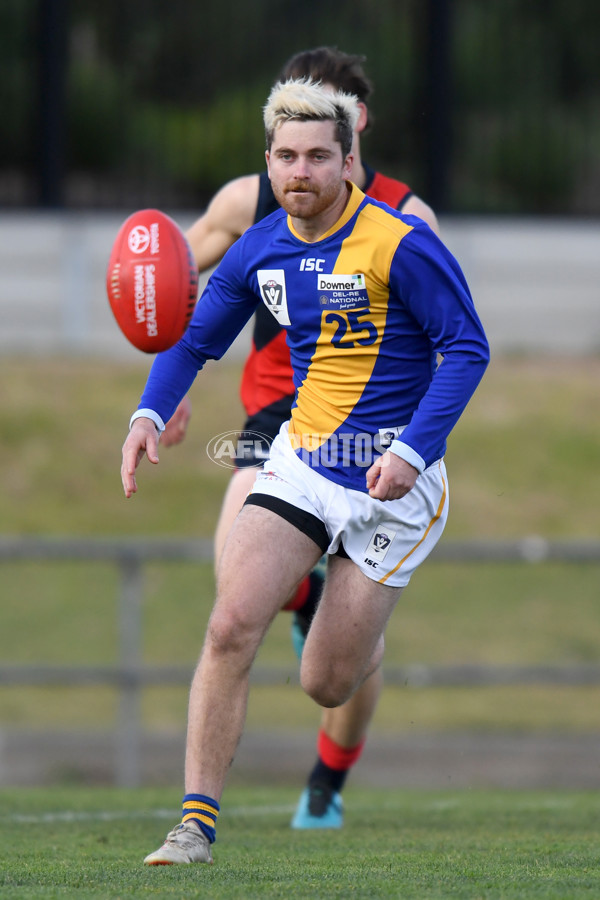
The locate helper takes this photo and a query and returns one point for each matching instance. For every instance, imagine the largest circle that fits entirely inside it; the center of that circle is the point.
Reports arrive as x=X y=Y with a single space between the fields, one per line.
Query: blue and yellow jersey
x=368 y=309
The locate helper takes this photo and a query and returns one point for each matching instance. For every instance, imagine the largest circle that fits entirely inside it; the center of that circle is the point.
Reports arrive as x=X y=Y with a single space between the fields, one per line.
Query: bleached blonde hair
x=306 y=100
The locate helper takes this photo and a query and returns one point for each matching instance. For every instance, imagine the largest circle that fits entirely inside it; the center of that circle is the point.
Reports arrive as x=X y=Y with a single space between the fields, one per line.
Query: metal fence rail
x=130 y=676
x=144 y=550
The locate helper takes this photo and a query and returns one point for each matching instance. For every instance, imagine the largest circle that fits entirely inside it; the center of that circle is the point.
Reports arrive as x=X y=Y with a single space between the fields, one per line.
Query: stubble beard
x=310 y=203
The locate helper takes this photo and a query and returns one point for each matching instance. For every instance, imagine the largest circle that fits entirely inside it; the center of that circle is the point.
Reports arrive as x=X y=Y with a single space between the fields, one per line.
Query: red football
x=151 y=281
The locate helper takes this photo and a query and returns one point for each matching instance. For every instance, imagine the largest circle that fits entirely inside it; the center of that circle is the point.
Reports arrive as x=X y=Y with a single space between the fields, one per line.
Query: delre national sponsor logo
x=342 y=291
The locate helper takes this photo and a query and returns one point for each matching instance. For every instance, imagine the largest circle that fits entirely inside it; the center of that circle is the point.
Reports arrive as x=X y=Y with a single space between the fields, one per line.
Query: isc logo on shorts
x=378 y=546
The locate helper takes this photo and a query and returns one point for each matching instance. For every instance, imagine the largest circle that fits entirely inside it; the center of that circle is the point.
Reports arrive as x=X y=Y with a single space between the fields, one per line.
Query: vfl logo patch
x=342 y=291
x=383 y=440
x=272 y=291
x=378 y=546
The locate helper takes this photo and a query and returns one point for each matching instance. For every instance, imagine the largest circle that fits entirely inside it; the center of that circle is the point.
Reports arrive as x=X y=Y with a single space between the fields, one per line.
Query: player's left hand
x=390 y=477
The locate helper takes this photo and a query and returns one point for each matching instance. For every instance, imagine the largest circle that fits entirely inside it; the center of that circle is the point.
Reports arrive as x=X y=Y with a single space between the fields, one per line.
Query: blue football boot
x=319 y=807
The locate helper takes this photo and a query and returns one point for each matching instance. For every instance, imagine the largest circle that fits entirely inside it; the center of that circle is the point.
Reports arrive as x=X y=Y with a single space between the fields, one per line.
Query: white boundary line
x=438 y=805
x=105 y=816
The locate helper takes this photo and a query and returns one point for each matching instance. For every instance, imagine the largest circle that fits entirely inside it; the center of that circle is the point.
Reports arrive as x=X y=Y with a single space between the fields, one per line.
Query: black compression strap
x=304 y=521
x=341 y=552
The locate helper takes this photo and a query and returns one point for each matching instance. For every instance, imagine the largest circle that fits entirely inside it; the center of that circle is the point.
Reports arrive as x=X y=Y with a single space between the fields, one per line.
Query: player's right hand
x=143 y=438
x=390 y=477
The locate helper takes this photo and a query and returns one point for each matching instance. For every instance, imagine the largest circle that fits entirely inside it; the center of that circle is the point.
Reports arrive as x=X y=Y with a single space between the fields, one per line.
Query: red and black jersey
x=388 y=190
x=267 y=388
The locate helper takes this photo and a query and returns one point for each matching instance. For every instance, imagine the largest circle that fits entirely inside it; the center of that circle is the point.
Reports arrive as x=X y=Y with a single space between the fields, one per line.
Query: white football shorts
x=386 y=539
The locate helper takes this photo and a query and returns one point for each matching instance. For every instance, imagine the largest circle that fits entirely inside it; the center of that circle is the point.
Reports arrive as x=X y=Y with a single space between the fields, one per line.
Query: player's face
x=307 y=171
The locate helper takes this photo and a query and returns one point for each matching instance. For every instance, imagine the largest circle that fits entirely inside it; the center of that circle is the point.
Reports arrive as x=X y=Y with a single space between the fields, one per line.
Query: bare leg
x=345 y=642
x=263 y=560
x=239 y=487
x=351 y=618
x=347 y=725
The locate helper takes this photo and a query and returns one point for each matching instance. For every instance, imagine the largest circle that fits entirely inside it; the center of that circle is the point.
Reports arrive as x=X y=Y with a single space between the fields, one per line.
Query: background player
x=267 y=393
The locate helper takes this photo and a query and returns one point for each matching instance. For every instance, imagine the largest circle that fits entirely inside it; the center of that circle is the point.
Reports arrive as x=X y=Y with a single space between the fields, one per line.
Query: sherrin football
x=151 y=281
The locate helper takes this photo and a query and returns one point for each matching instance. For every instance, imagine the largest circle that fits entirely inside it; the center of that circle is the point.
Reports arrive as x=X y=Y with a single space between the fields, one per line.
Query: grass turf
x=425 y=845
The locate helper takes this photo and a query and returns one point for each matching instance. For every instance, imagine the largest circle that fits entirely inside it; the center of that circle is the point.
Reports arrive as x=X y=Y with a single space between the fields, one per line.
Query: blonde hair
x=307 y=100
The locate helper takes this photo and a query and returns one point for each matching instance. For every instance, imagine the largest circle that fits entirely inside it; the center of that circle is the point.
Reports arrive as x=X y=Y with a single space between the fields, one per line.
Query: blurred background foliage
x=482 y=107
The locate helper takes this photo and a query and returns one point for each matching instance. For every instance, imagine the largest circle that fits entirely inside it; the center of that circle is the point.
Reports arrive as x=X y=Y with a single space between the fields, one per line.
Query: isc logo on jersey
x=312 y=265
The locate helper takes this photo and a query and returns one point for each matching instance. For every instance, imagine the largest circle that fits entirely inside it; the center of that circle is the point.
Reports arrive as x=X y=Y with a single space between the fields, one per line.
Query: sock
x=203 y=811
x=334 y=762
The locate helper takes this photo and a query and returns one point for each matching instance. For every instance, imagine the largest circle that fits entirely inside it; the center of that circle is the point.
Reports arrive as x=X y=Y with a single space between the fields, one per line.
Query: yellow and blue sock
x=203 y=811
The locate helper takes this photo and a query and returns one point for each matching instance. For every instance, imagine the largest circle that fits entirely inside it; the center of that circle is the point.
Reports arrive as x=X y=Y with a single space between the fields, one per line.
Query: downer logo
x=341 y=282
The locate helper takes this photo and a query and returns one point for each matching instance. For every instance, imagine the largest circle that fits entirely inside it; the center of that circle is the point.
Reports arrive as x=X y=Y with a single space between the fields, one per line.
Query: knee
x=327 y=689
x=229 y=633
x=333 y=682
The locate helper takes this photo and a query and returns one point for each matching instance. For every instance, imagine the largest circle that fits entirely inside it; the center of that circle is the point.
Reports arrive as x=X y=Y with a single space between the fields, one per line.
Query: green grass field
x=485 y=845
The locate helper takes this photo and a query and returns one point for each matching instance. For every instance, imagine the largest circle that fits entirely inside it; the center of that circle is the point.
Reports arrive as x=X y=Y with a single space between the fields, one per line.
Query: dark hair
x=343 y=71
x=330 y=65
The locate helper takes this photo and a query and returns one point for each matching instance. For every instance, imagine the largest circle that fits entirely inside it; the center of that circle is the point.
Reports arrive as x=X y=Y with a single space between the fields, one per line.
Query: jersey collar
x=356 y=198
